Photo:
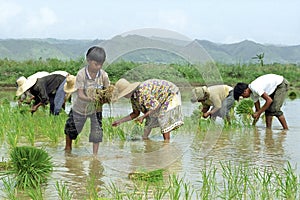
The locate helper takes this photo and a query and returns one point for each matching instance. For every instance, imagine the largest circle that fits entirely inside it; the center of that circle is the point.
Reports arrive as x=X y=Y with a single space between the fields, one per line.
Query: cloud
x=8 y=10
x=44 y=18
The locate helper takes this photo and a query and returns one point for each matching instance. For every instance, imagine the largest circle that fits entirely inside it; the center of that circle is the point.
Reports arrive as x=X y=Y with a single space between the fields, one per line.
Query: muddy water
x=186 y=154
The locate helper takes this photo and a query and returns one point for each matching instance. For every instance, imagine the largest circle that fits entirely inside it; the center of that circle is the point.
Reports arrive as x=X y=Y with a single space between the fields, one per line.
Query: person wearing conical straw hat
x=43 y=89
x=69 y=86
x=216 y=100
x=89 y=79
x=158 y=100
x=21 y=80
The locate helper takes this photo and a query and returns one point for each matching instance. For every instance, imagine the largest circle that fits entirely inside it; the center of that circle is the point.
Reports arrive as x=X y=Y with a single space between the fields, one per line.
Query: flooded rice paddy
x=188 y=152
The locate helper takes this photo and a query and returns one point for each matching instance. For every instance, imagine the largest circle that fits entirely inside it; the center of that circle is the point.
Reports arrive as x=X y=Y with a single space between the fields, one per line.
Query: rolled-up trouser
x=76 y=121
x=278 y=97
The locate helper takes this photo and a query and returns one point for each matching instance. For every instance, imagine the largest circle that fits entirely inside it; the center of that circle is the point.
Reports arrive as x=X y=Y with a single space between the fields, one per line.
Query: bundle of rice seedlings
x=106 y=96
x=245 y=107
x=151 y=176
x=30 y=166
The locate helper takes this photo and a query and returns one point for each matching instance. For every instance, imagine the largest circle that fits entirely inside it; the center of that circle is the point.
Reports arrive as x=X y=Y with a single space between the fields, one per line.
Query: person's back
x=218 y=93
x=44 y=91
x=46 y=86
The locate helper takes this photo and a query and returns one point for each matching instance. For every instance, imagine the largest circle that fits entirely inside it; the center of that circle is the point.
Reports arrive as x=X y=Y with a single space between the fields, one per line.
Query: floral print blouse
x=152 y=94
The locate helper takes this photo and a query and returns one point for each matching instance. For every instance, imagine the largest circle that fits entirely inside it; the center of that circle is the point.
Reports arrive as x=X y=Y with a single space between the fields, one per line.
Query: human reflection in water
x=274 y=143
x=156 y=155
x=83 y=176
x=269 y=148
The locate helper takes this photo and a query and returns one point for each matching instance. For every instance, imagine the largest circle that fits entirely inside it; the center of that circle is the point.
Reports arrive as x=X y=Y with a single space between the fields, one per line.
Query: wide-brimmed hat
x=69 y=86
x=199 y=93
x=39 y=75
x=24 y=85
x=63 y=73
x=124 y=87
x=20 y=81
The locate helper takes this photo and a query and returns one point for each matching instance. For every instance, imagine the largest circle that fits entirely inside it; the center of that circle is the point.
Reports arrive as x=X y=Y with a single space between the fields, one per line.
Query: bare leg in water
x=95 y=148
x=68 y=146
x=281 y=119
x=166 y=136
x=147 y=132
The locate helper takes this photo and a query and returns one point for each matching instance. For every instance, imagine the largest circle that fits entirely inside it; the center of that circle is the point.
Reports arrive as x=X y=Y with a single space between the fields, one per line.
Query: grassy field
x=231 y=74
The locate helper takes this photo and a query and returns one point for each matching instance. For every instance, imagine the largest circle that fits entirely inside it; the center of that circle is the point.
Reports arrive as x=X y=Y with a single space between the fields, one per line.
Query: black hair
x=97 y=54
x=239 y=90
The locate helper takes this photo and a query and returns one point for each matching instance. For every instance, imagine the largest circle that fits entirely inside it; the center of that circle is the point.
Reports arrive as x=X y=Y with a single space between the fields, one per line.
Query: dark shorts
x=76 y=121
x=278 y=97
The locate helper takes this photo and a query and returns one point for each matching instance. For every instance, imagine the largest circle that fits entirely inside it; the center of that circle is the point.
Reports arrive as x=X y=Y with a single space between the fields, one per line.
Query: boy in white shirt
x=272 y=88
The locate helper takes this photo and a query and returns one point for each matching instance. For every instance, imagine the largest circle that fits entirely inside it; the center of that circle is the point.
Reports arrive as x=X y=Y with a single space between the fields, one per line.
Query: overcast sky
x=222 y=21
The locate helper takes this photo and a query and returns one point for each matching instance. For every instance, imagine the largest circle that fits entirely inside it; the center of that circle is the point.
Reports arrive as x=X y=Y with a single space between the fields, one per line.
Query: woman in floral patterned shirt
x=158 y=100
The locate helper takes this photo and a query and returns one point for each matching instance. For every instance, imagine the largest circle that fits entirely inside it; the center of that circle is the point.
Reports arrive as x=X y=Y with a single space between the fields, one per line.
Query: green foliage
x=63 y=192
x=245 y=107
x=245 y=110
x=150 y=176
x=30 y=166
x=12 y=70
x=230 y=74
x=260 y=58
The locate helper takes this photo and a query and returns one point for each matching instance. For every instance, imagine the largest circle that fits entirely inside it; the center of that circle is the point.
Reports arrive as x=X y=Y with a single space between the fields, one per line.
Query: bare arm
x=133 y=115
x=141 y=119
x=267 y=104
x=210 y=112
x=35 y=107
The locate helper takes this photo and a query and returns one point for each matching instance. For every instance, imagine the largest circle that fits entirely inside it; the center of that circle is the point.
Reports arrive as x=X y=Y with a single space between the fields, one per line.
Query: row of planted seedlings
x=230 y=181
x=18 y=124
x=224 y=181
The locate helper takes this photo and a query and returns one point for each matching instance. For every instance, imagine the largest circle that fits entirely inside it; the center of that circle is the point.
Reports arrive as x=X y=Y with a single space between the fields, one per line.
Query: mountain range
x=140 y=49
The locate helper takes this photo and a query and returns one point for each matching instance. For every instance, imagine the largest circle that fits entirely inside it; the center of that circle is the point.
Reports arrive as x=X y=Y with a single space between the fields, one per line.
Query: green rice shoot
x=150 y=176
x=245 y=107
x=30 y=166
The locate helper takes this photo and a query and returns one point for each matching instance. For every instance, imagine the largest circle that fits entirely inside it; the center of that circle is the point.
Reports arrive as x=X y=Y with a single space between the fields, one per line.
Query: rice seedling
x=112 y=132
x=30 y=166
x=288 y=186
x=245 y=109
x=9 y=188
x=92 y=187
x=208 y=189
x=35 y=193
x=150 y=176
x=12 y=138
x=63 y=192
x=174 y=190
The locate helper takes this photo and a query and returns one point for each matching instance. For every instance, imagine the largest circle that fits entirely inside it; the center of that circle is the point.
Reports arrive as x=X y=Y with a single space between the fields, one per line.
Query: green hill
x=156 y=50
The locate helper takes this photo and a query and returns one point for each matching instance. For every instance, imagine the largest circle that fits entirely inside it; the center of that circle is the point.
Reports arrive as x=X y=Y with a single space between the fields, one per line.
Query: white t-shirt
x=266 y=83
